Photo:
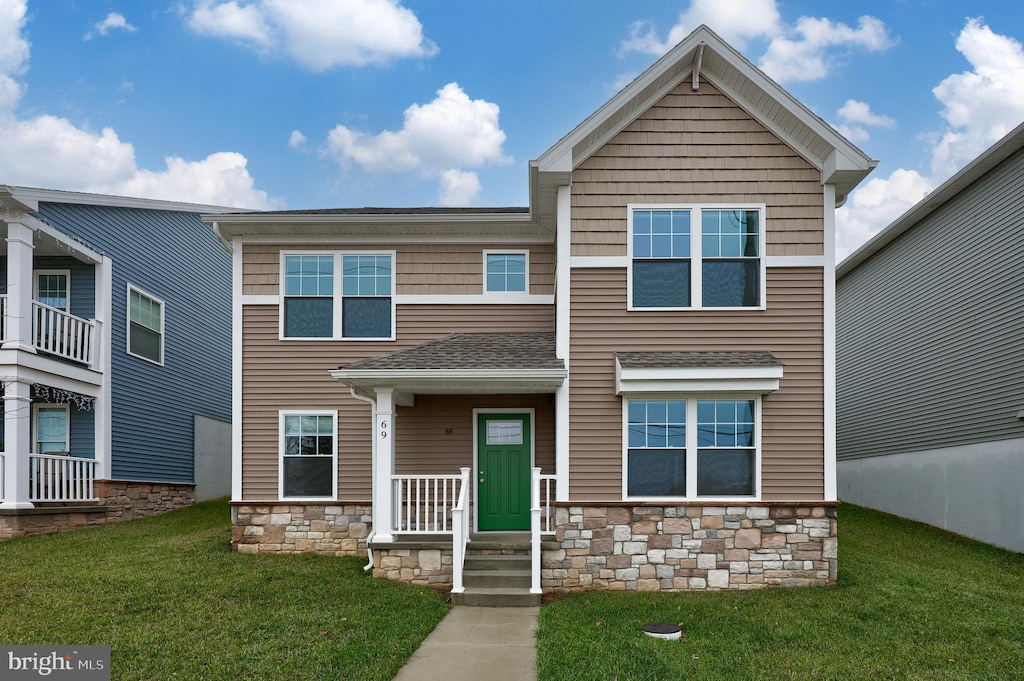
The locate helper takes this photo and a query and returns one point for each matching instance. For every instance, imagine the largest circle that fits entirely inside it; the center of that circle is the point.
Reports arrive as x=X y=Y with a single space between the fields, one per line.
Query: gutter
x=373 y=477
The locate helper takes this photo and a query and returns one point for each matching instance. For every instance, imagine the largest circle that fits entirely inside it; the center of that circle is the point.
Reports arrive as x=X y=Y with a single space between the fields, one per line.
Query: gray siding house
x=930 y=357
x=116 y=359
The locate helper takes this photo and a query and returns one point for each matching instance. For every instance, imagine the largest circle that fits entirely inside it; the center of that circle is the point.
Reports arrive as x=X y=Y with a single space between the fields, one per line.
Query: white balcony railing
x=423 y=503
x=62 y=334
x=61 y=478
x=3 y=317
x=460 y=532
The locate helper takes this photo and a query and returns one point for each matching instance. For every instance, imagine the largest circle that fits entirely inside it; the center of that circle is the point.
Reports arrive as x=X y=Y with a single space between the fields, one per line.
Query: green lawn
x=912 y=603
x=174 y=602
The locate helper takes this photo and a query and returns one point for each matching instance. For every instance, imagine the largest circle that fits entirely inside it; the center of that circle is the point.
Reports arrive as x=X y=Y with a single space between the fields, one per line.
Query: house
x=629 y=383
x=115 y=359
x=930 y=337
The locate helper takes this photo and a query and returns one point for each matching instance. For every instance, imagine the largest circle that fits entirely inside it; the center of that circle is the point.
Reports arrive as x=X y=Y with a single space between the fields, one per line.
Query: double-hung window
x=145 y=326
x=690 y=448
x=308 y=455
x=696 y=257
x=337 y=295
x=506 y=272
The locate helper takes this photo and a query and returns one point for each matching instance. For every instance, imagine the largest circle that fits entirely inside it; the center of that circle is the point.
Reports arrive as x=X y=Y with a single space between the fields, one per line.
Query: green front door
x=503 y=472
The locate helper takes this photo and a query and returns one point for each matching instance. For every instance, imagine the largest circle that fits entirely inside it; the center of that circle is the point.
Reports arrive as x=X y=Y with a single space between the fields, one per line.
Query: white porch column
x=383 y=503
x=19 y=288
x=17 y=416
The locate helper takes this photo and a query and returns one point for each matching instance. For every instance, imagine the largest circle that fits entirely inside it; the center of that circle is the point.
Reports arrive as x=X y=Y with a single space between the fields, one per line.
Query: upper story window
x=53 y=288
x=696 y=257
x=358 y=304
x=145 y=326
x=506 y=272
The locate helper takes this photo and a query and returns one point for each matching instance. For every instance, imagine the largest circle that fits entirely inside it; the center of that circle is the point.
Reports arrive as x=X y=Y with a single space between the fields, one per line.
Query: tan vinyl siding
x=696 y=147
x=422 y=445
x=792 y=417
x=421 y=269
x=293 y=375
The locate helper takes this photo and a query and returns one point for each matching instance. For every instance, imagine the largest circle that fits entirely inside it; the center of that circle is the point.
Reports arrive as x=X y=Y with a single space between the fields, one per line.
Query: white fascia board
x=75 y=248
x=34 y=368
x=751 y=380
x=399 y=377
x=32 y=196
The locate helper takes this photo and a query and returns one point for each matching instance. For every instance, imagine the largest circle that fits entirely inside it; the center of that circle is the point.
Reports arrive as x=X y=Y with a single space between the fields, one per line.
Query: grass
x=912 y=602
x=174 y=602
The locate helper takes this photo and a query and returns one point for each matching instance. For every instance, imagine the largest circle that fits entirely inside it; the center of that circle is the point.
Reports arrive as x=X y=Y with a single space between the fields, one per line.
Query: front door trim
x=524 y=411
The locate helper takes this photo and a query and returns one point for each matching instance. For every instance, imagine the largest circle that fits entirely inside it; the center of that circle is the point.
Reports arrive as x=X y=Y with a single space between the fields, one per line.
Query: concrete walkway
x=478 y=643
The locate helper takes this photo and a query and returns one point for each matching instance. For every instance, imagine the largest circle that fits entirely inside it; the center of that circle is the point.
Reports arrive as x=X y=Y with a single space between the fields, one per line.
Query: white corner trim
x=747 y=380
x=795 y=261
x=236 y=370
x=831 y=486
x=563 y=327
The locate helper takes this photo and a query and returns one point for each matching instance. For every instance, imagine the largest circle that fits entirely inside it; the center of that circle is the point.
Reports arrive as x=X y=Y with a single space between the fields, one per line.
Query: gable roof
x=704 y=55
x=30 y=197
x=973 y=171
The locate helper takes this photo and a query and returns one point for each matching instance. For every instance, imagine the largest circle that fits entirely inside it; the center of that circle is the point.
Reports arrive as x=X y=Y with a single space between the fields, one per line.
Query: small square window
x=506 y=272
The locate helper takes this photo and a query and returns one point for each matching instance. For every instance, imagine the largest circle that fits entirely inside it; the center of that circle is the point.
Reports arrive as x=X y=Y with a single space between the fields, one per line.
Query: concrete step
x=476 y=561
x=519 y=579
x=496 y=597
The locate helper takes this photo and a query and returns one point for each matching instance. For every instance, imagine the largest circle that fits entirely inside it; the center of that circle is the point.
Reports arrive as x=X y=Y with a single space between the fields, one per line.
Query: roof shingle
x=690 y=360
x=471 y=351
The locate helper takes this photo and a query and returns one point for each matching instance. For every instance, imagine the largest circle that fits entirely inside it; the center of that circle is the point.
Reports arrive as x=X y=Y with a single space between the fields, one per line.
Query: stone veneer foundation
x=689 y=548
x=278 y=527
x=118 y=500
x=615 y=547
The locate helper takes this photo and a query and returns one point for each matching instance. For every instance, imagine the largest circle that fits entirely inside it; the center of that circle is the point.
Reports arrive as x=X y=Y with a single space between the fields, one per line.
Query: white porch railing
x=3 y=317
x=62 y=334
x=424 y=503
x=2 y=465
x=546 y=496
x=61 y=478
x=460 y=532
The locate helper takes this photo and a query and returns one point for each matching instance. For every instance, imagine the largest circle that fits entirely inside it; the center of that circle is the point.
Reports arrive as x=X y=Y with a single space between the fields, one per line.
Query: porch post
x=17 y=415
x=18 y=322
x=383 y=503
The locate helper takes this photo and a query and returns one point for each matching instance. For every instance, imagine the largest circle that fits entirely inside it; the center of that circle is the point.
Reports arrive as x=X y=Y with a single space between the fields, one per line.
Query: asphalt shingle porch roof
x=471 y=351
x=697 y=360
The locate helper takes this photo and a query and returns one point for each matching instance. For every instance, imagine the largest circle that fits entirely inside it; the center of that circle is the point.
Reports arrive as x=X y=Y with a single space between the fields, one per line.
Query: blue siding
x=176 y=258
x=83 y=433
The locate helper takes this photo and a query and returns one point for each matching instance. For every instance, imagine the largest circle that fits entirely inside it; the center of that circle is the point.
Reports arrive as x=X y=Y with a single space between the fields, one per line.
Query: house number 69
x=383 y=429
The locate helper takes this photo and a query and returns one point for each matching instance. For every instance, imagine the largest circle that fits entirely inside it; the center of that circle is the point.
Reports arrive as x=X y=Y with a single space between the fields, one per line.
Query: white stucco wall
x=974 y=490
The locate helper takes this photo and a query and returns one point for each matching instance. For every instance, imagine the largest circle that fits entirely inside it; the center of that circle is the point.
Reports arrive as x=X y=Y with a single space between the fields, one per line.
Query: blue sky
x=329 y=103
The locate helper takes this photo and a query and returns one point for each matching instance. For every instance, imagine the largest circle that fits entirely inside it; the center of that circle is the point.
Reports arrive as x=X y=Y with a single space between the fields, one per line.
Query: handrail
x=61 y=478
x=60 y=333
x=460 y=532
x=423 y=503
x=535 y=531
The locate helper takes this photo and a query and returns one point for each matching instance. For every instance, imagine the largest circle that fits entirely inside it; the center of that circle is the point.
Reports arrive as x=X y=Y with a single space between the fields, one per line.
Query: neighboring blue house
x=115 y=359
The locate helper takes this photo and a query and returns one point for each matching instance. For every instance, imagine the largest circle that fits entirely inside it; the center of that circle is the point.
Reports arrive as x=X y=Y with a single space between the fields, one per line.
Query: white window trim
x=35 y=284
x=336 y=334
x=696 y=289
x=35 y=425
x=507 y=251
x=280 y=452
x=128 y=324
x=691 y=446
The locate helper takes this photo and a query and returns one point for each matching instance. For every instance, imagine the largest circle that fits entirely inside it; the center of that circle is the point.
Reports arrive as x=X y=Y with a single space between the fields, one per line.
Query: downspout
x=373 y=473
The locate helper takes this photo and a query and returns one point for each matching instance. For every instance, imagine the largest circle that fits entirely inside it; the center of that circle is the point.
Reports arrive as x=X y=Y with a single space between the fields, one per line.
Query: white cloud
x=736 y=21
x=52 y=152
x=317 y=34
x=877 y=203
x=983 y=104
x=296 y=140
x=442 y=136
x=459 y=187
x=451 y=130
x=856 y=117
x=807 y=56
x=980 y=105
x=112 y=22
x=803 y=51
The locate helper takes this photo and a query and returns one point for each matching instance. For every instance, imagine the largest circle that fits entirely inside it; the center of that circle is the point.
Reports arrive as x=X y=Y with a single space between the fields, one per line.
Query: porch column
x=18 y=319
x=383 y=503
x=17 y=442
